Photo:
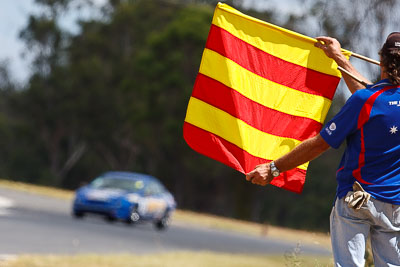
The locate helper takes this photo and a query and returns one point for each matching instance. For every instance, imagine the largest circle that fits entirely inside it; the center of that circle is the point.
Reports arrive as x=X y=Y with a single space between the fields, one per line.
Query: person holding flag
x=368 y=193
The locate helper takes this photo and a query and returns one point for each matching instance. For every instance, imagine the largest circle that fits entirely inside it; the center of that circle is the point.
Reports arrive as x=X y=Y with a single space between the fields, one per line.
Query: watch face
x=275 y=173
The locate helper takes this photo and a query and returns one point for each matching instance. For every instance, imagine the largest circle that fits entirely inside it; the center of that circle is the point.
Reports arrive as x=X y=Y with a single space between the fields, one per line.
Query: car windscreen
x=117 y=183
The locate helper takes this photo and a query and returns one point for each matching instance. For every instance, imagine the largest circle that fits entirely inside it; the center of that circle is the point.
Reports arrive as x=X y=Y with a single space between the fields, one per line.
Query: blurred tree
x=44 y=105
x=361 y=26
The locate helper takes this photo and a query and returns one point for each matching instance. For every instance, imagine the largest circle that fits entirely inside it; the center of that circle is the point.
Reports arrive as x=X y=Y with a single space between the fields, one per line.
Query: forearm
x=306 y=151
x=333 y=50
x=351 y=83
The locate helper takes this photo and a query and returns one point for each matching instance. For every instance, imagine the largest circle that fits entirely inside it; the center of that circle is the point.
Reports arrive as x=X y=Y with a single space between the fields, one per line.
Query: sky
x=13 y=16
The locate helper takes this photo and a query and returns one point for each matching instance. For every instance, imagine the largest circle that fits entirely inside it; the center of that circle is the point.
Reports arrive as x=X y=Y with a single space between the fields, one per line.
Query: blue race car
x=126 y=196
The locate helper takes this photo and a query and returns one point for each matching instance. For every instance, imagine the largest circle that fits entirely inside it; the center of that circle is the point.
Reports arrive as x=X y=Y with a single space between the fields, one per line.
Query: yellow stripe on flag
x=282 y=43
x=263 y=91
x=237 y=132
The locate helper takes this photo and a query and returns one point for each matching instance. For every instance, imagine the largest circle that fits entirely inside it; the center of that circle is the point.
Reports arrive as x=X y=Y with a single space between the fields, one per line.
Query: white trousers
x=350 y=230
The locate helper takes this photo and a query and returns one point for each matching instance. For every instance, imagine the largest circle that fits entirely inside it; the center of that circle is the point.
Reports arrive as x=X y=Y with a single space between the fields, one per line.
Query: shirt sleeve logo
x=330 y=128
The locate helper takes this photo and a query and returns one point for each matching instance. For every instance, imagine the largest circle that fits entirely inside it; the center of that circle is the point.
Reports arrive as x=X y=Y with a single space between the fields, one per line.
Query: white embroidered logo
x=332 y=127
x=393 y=129
x=394 y=103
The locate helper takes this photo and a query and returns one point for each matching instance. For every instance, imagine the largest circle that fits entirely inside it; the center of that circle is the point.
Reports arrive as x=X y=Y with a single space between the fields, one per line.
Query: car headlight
x=133 y=198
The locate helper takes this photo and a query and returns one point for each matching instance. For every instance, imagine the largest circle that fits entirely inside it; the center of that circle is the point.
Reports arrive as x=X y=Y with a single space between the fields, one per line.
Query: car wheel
x=110 y=218
x=163 y=223
x=78 y=214
x=134 y=217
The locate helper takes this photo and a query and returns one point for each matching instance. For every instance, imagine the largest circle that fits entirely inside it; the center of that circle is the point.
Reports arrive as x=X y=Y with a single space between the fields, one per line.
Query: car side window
x=154 y=188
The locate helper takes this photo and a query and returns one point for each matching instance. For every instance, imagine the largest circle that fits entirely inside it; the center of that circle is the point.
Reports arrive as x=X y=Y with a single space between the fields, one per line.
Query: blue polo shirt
x=370 y=124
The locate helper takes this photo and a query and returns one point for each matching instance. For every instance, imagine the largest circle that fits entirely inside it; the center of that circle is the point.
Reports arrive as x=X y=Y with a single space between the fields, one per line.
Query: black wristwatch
x=274 y=170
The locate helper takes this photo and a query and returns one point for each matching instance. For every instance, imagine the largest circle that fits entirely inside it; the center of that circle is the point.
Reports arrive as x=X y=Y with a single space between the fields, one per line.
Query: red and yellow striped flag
x=260 y=91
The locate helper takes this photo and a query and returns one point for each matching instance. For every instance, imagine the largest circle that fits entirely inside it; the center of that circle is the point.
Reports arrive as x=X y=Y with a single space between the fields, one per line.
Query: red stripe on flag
x=256 y=115
x=225 y=152
x=270 y=67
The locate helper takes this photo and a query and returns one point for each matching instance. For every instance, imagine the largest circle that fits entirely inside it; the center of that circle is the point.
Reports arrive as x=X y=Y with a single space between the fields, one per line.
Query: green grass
x=37 y=189
x=250 y=228
x=171 y=259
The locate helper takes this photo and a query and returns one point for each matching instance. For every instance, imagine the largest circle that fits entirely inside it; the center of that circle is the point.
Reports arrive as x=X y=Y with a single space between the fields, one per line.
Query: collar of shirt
x=384 y=82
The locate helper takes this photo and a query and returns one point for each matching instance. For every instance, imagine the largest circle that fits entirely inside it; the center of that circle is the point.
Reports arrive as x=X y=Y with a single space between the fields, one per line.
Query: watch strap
x=274 y=170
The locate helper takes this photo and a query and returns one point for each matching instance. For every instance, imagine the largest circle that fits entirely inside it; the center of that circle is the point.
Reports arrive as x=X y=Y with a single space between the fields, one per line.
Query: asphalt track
x=31 y=223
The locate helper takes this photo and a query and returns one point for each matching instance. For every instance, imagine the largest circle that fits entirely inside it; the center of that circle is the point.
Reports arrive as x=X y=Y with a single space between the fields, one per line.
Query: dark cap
x=392 y=41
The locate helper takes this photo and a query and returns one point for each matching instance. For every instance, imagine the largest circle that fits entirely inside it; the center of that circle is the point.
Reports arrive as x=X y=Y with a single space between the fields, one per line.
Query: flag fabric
x=260 y=91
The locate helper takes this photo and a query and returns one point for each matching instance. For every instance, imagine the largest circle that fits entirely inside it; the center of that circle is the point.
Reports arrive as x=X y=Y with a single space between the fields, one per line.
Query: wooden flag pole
x=370 y=60
x=352 y=76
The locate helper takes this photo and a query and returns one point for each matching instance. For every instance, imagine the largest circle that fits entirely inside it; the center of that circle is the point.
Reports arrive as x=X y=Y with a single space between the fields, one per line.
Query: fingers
x=250 y=175
x=325 y=39
x=330 y=46
x=260 y=175
x=259 y=181
x=323 y=42
x=319 y=45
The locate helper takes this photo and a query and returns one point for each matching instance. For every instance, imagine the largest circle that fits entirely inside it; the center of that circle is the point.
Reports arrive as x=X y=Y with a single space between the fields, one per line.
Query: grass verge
x=171 y=259
x=264 y=230
x=38 y=189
